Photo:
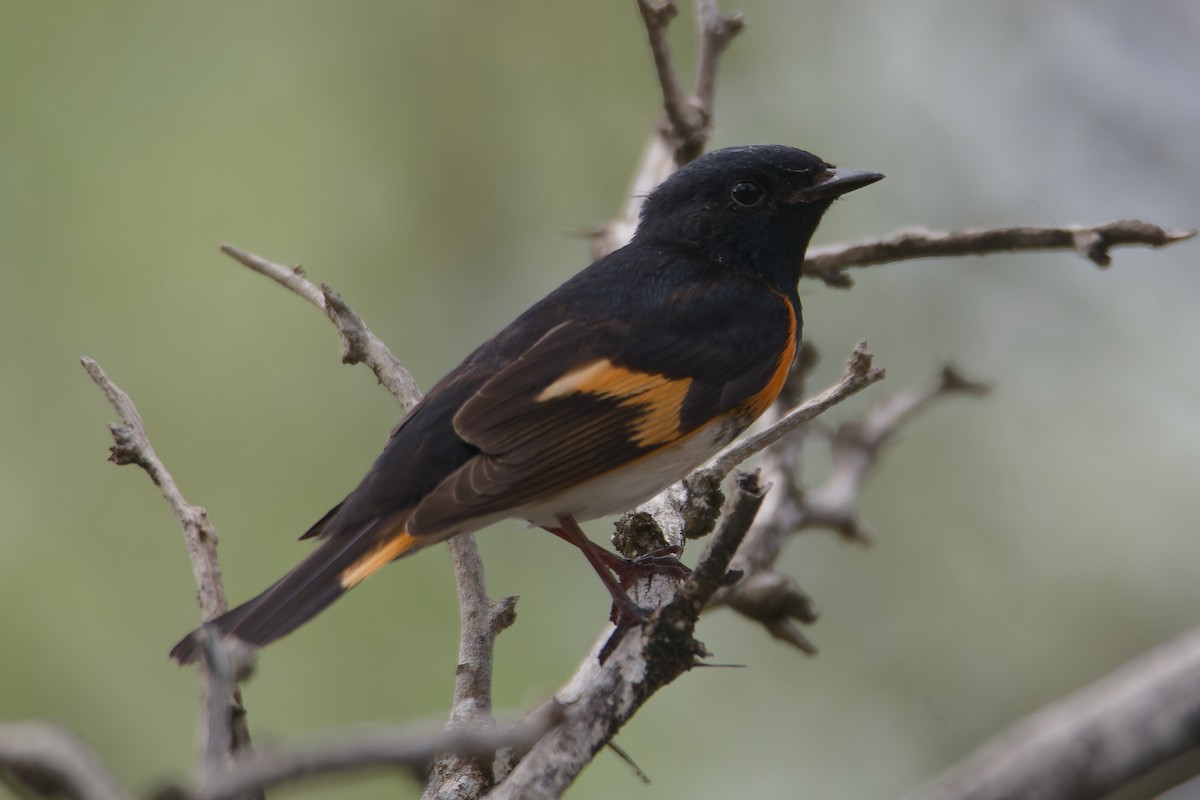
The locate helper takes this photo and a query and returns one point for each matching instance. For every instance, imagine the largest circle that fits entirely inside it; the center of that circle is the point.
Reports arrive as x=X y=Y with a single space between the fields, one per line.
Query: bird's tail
x=336 y=566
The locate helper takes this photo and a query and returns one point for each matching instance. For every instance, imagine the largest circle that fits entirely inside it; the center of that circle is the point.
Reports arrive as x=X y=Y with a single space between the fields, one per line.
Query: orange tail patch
x=377 y=558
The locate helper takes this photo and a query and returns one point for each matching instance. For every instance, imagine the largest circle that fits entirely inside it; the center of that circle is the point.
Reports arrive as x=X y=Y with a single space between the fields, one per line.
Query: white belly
x=624 y=488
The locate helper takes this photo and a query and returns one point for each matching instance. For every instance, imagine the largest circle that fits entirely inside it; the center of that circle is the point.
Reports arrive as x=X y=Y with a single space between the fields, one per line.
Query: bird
x=614 y=386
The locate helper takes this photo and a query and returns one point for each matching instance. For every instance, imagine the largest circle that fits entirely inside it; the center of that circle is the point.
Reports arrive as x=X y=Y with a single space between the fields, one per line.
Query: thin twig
x=682 y=117
x=359 y=344
x=716 y=31
x=1092 y=242
x=132 y=446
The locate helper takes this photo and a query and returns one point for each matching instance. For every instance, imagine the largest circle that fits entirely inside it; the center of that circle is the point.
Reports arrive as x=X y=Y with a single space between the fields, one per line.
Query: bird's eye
x=747 y=194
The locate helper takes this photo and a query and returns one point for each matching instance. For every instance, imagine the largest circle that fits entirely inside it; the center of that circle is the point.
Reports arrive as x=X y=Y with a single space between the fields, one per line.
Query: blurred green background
x=432 y=162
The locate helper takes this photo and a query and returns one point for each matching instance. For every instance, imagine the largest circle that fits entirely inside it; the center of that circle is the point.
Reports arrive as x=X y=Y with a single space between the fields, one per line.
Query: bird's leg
x=663 y=561
x=605 y=564
x=611 y=560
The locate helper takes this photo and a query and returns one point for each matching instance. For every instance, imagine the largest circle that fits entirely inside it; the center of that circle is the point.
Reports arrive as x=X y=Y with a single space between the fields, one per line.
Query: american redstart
x=611 y=388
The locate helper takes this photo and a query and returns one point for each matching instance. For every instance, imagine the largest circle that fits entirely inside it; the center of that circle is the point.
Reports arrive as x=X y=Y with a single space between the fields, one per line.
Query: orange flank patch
x=759 y=402
x=657 y=397
x=376 y=559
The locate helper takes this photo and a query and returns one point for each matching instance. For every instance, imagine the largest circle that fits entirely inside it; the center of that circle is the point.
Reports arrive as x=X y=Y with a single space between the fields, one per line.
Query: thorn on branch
x=953 y=381
x=628 y=759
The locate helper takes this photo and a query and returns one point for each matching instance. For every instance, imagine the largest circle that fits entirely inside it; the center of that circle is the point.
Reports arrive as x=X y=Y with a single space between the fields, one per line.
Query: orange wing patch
x=759 y=402
x=376 y=559
x=658 y=397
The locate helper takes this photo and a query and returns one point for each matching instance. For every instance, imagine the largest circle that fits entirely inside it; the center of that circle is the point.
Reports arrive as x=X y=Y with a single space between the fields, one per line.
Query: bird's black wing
x=593 y=395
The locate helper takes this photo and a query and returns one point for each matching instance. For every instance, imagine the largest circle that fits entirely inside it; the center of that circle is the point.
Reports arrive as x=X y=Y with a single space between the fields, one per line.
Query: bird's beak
x=837 y=182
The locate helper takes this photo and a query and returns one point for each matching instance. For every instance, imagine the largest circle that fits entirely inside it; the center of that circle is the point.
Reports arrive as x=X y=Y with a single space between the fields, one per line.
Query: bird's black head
x=748 y=208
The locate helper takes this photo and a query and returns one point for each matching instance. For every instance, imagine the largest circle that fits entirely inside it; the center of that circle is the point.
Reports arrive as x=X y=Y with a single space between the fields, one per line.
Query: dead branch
x=1092 y=242
x=359 y=344
x=225 y=733
x=225 y=662
x=456 y=775
x=1093 y=741
x=132 y=446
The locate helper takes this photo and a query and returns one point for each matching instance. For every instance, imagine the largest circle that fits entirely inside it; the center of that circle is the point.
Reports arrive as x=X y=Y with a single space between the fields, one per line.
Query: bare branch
x=716 y=32
x=1093 y=741
x=132 y=446
x=55 y=762
x=226 y=661
x=682 y=116
x=456 y=775
x=359 y=344
x=1092 y=242
x=346 y=751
